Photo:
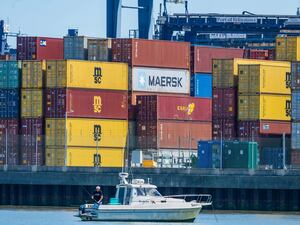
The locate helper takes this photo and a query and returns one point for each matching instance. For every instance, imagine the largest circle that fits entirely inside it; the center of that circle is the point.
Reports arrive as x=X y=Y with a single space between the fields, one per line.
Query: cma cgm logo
x=97 y=104
x=97 y=132
x=43 y=43
x=161 y=81
x=188 y=109
x=97 y=75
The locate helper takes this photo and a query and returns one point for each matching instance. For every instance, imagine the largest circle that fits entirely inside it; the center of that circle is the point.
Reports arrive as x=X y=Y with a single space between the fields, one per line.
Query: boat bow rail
x=203 y=199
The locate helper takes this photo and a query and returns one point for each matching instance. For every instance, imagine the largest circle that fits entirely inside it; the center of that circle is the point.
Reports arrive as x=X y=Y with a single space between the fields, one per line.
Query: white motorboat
x=140 y=201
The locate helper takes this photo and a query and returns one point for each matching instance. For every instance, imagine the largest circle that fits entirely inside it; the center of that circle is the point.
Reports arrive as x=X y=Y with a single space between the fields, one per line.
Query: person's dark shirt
x=97 y=195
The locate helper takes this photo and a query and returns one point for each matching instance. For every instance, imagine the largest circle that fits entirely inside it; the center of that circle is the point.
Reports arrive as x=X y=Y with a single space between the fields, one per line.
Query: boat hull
x=143 y=215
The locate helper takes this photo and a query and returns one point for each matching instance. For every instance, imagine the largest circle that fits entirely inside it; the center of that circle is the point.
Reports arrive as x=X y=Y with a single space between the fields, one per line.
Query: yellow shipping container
x=85 y=156
x=264 y=79
x=225 y=71
x=87 y=132
x=264 y=107
x=33 y=74
x=288 y=48
x=31 y=103
x=86 y=74
x=149 y=163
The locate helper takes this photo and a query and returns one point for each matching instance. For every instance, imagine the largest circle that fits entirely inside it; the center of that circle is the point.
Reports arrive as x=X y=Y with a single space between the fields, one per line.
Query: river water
x=46 y=216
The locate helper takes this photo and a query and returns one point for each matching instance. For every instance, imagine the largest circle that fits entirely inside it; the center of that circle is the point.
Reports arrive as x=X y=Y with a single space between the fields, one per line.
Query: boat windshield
x=145 y=192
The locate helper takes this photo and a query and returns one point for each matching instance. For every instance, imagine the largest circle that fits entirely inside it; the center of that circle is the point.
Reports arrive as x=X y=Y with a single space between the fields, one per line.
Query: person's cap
x=98 y=187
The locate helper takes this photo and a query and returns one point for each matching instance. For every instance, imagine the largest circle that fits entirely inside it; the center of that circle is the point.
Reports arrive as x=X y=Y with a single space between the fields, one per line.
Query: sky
x=52 y=18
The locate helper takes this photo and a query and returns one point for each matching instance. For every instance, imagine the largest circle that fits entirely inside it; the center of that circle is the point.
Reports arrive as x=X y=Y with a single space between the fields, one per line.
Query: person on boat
x=98 y=197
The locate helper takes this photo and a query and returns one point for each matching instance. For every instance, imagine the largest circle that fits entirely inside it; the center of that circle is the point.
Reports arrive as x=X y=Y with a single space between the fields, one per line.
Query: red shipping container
x=150 y=108
x=248 y=129
x=172 y=135
x=295 y=158
x=202 y=56
x=224 y=128
x=40 y=48
x=9 y=141
x=256 y=54
x=151 y=53
x=32 y=142
x=133 y=95
x=224 y=103
x=86 y=103
x=272 y=54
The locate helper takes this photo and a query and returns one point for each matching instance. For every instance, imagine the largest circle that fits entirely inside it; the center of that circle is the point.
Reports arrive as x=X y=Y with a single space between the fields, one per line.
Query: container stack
x=86 y=113
x=9 y=112
x=99 y=49
x=295 y=77
x=172 y=123
x=39 y=48
x=32 y=132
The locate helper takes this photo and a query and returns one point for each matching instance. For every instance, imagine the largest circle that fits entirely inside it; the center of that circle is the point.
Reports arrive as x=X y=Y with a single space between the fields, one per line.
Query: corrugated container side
x=86 y=103
x=201 y=85
x=33 y=74
x=75 y=47
x=26 y=48
x=224 y=128
x=32 y=103
x=224 y=103
x=288 y=48
x=256 y=54
x=264 y=79
x=32 y=150
x=100 y=50
x=209 y=154
x=295 y=135
x=87 y=74
x=202 y=57
x=257 y=128
x=86 y=132
x=150 y=108
x=10 y=75
x=264 y=107
x=272 y=157
x=9 y=103
x=295 y=76
x=172 y=134
x=9 y=141
x=151 y=53
x=295 y=158
x=296 y=105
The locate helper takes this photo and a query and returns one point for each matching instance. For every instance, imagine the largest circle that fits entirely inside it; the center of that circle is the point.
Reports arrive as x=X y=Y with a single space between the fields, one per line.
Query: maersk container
x=240 y=155
x=39 y=48
x=209 y=154
x=201 y=85
x=10 y=75
x=296 y=105
x=9 y=103
x=161 y=80
x=272 y=157
x=296 y=135
x=75 y=47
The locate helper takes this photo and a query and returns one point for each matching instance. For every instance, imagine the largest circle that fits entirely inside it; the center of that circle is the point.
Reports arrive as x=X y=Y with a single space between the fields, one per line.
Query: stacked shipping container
x=87 y=113
x=32 y=151
x=9 y=112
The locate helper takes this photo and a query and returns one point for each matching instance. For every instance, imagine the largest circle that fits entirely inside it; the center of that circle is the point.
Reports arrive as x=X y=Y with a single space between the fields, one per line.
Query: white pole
x=6 y=147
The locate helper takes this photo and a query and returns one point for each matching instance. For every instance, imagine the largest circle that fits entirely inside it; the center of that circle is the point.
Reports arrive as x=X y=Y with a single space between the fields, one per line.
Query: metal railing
x=203 y=199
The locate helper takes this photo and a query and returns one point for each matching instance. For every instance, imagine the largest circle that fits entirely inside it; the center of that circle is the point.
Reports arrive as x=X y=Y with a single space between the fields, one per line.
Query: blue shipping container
x=10 y=74
x=9 y=103
x=272 y=157
x=296 y=105
x=209 y=154
x=201 y=85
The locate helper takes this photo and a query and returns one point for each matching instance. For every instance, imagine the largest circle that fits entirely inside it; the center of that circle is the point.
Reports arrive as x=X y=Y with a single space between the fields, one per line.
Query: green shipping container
x=243 y=155
x=10 y=74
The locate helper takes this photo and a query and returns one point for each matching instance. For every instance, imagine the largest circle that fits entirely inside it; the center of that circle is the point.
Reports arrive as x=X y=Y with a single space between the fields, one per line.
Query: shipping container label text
x=97 y=75
x=97 y=104
x=97 y=133
x=188 y=109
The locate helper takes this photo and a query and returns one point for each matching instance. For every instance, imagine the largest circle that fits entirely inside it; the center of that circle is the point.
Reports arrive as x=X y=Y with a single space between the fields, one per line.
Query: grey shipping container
x=75 y=47
x=296 y=135
x=296 y=105
x=99 y=50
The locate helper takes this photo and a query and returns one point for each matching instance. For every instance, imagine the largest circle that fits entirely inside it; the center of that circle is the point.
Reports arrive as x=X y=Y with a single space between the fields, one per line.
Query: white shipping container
x=160 y=80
